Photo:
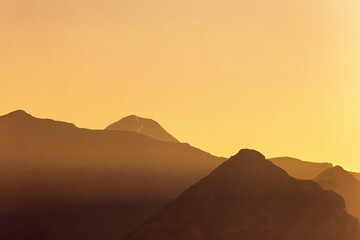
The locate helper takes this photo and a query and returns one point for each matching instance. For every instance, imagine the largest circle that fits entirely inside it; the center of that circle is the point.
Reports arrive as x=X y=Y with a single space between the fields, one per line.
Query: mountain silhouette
x=56 y=180
x=300 y=169
x=343 y=183
x=248 y=197
x=144 y=126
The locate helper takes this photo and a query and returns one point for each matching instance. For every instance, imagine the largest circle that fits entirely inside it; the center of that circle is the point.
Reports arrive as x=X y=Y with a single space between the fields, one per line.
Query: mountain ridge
x=300 y=169
x=48 y=167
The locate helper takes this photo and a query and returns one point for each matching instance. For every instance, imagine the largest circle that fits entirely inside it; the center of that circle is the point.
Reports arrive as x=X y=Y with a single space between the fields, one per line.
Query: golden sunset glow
x=280 y=76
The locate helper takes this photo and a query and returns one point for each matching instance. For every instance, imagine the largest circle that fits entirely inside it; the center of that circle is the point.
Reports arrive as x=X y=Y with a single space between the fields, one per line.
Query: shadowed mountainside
x=114 y=179
x=248 y=197
x=343 y=183
x=144 y=126
x=300 y=169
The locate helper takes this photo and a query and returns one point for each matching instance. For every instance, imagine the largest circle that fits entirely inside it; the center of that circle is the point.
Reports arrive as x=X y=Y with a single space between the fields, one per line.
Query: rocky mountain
x=58 y=181
x=248 y=197
x=144 y=126
x=345 y=184
x=300 y=169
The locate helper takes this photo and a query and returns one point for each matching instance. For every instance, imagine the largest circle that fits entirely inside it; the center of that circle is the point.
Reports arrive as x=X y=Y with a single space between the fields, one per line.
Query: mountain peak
x=339 y=168
x=250 y=167
x=249 y=154
x=19 y=119
x=17 y=114
x=143 y=126
x=337 y=174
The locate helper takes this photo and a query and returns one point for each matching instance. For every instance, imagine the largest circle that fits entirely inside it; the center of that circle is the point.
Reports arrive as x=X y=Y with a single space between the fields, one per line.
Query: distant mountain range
x=248 y=197
x=144 y=126
x=57 y=180
x=300 y=169
x=61 y=182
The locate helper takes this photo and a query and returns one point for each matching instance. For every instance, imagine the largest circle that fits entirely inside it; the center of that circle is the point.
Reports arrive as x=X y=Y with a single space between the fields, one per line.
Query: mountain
x=58 y=181
x=343 y=183
x=300 y=169
x=356 y=175
x=144 y=126
x=248 y=197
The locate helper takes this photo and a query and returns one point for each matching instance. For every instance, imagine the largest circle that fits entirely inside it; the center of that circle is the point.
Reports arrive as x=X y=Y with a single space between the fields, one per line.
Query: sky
x=279 y=76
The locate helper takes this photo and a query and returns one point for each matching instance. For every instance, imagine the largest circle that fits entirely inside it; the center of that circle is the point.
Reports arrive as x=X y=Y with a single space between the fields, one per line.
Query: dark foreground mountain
x=58 y=181
x=300 y=169
x=248 y=197
x=345 y=184
x=144 y=126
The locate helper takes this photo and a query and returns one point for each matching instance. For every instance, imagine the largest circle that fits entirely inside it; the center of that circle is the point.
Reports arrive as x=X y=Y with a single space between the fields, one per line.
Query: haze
x=281 y=77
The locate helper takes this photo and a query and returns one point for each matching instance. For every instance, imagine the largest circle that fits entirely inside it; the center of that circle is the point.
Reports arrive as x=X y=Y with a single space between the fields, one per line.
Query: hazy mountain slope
x=356 y=175
x=248 y=197
x=300 y=169
x=144 y=126
x=48 y=165
x=345 y=184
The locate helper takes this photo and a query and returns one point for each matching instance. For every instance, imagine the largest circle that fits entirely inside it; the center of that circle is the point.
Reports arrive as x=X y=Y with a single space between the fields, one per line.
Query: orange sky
x=280 y=76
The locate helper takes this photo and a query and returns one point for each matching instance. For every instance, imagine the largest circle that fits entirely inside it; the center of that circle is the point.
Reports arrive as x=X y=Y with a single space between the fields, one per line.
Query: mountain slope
x=343 y=183
x=300 y=169
x=49 y=168
x=144 y=126
x=248 y=197
x=356 y=175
